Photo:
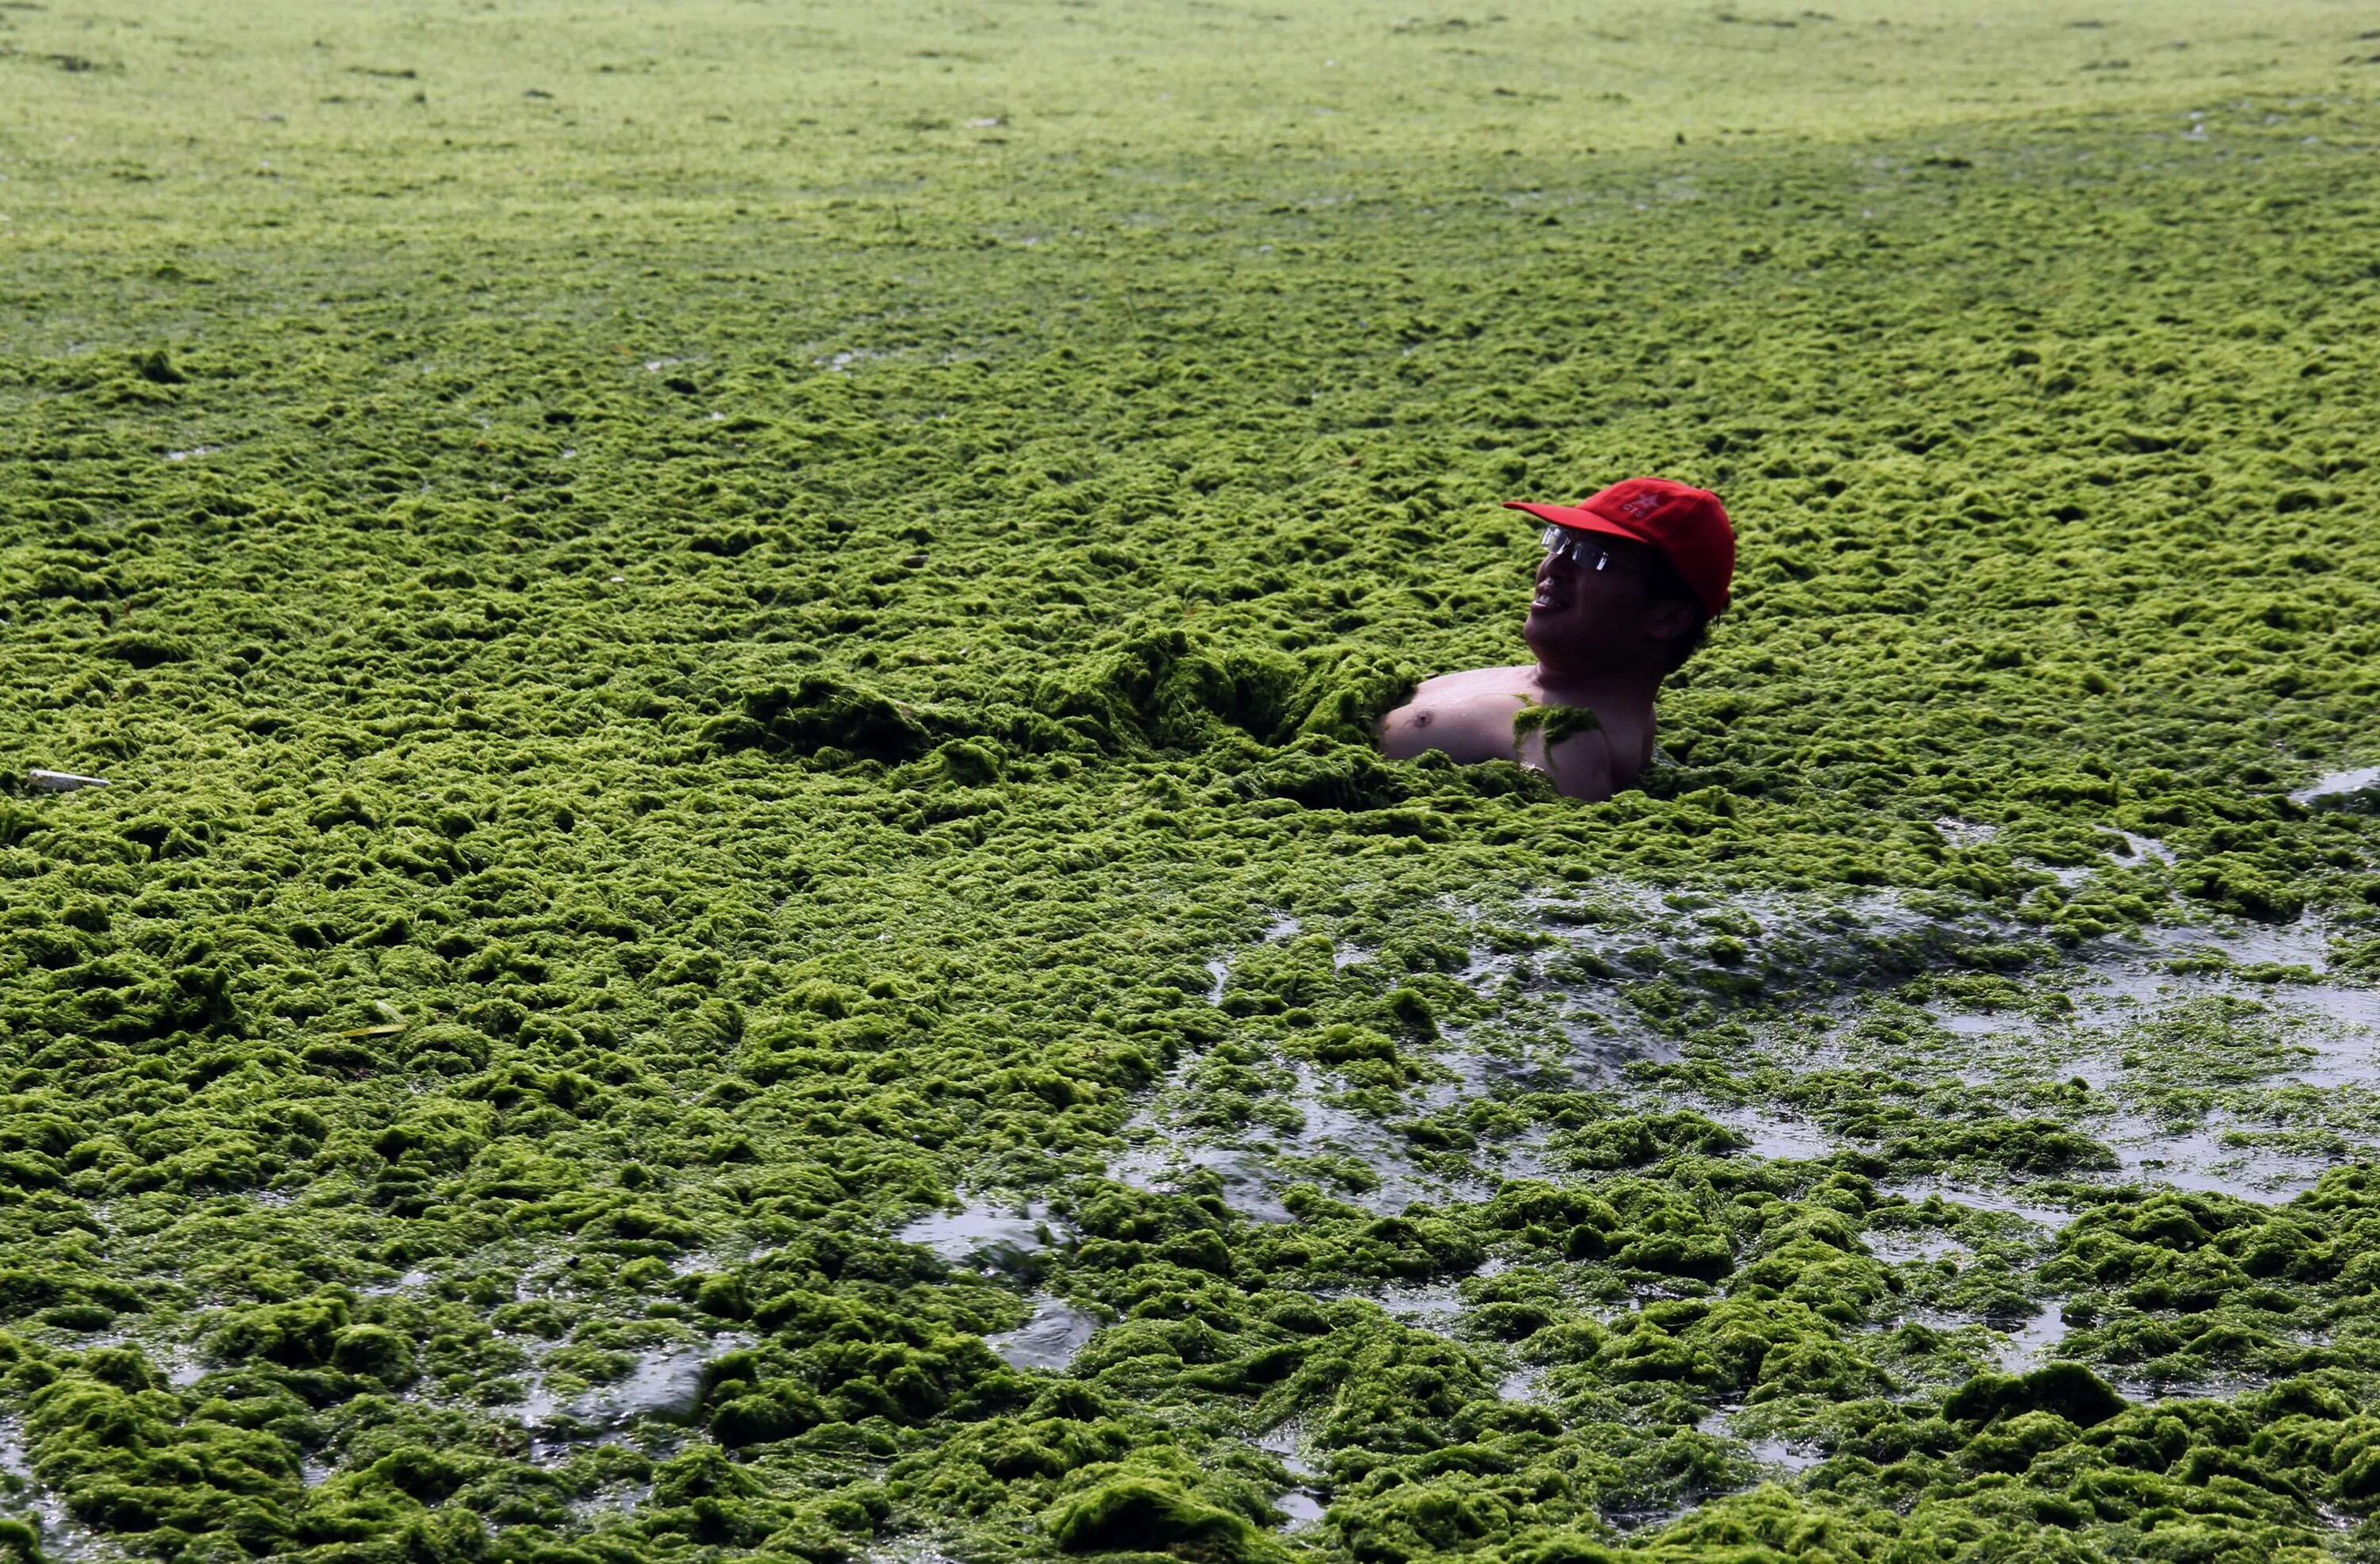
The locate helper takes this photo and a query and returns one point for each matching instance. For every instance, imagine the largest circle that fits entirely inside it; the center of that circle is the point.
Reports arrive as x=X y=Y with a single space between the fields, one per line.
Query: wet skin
x=1600 y=640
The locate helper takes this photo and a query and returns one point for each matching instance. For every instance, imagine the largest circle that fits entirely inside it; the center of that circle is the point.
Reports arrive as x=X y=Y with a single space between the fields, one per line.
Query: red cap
x=1688 y=525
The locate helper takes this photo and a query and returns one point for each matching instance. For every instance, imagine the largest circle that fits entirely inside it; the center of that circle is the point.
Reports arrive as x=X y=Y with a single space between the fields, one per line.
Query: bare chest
x=1470 y=716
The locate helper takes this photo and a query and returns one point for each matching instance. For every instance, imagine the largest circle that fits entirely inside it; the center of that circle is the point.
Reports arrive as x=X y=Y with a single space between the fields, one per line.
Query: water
x=1982 y=1025
x=1602 y=1046
x=1287 y=1444
x=1249 y=1186
x=2200 y=1160
x=2147 y=847
x=616 y=1498
x=1771 y=948
x=1252 y=1163
x=1051 y=1340
x=665 y=1384
x=1810 y=972
x=1922 y=1244
x=2030 y=1345
x=23 y=1497
x=1776 y=1137
x=1634 y=932
x=1302 y=1507
x=2338 y=1024
x=1779 y=1453
x=2302 y=943
x=1649 y=1518
x=906 y=1550
x=1434 y=1306
x=2286 y=1021
x=2338 y=784
x=983 y=1230
x=2254 y=1017
x=2008 y=1200
x=412 y=1280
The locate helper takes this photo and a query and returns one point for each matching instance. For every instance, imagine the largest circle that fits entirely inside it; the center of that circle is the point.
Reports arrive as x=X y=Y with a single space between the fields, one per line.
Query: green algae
x=777 y=647
x=1551 y=725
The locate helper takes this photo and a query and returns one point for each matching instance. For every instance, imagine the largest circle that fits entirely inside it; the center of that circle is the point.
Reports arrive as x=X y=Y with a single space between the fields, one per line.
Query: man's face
x=1578 y=604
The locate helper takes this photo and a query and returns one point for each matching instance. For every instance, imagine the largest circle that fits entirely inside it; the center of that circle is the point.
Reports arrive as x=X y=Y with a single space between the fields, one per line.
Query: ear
x=1667 y=618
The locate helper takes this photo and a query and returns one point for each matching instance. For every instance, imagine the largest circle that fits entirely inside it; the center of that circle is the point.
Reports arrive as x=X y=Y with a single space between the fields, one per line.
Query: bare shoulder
x=1581 y=766
x=1519 y=683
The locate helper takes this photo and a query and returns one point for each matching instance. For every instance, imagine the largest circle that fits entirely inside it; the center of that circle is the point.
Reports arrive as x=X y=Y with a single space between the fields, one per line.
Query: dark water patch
x=908 y=1549
x=1755 y=1430
x=25 y=1498
x=1783 y=1455
x=662 y=1383
x=1300 y=1509
x=1778 y=1136
x=612 y=1498
x=406 y=1281
x=2008 y=1200
x=1246 y=1183
x=1437 y=1307
x=1914 y=1244
x=2026 y=1346
x=2350 y=790
x=1767 y=951
x=986 y=1232
x=1290 y=1445
x=1051 y=1340
x=1276 y=1123
x=2218 y=1159
x=2046 y=1041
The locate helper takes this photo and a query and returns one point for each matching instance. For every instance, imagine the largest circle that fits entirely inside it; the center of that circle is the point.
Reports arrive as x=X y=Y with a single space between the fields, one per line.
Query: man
x=1630 y=581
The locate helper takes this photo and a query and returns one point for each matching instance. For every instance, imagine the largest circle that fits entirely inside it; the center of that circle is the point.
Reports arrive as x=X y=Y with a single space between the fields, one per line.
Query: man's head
x=1612 y=604
x=1630 y=576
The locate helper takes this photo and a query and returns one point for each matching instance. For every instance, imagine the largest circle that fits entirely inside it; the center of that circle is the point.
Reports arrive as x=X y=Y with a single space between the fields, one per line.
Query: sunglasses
x=1581 y=548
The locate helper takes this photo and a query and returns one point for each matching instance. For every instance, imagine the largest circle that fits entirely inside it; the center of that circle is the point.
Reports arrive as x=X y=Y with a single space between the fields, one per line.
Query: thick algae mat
x=742 y=911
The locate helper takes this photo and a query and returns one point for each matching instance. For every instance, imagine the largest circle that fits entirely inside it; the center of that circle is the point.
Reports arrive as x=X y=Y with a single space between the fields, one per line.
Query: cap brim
x=1579 y=520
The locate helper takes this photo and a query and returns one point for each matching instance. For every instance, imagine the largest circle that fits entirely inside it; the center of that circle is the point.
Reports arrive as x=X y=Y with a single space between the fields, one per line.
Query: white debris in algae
x=63 y=781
